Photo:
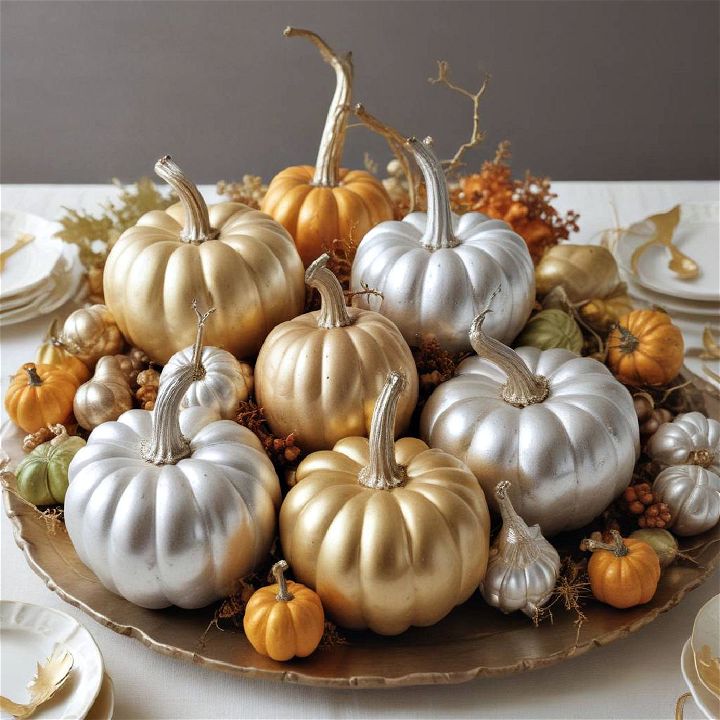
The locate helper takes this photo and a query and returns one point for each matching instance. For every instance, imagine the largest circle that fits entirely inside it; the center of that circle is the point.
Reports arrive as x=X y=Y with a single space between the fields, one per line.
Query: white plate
x=104 y=705
x=30 y=266
x=61 y=286
x=697 y=235
x=706 y=634
x=677 y=304
x=29 y=633
x=704 y=699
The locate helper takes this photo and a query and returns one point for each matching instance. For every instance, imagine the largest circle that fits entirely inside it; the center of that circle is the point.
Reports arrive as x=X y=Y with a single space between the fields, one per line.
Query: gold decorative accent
x=708 y=668
x=21 y=241
x=49 y=678
x=680 y=705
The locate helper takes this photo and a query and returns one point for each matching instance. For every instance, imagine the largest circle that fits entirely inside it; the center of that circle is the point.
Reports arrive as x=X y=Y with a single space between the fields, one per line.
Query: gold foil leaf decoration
x=49 y=678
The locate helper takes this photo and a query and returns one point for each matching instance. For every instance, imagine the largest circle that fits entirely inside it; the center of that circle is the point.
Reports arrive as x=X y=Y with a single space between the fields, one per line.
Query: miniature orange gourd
x=623 y=574
x=284 y=620
x=645 y=348
x=321 y=204
x=40 y=395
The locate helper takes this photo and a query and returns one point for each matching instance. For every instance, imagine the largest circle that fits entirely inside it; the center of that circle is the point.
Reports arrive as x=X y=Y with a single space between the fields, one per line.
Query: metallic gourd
x=690 y=439
x=692 y=493
x=106 y=396
x=228 y=256
x=388 y=534
x=53 y=352
x=325 y=203
x=42 y=476
x=319 y=375
x=523 y=566
x=558 y=426
x=284 y=620
x=436 y=270
x=171 y=508
x=220 y=382
x=90 y=333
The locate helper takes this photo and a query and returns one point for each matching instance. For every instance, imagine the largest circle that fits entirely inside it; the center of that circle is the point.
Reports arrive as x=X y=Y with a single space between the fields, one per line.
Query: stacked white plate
x=693 y=304
x=42 y=275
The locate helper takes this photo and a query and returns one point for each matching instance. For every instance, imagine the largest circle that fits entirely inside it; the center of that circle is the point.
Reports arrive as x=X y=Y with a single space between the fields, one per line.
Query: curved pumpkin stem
x=197 y=221
x=327 y=165
x=333 y=311
x=34 y=379
x=618 y=548
x=61 y=434
x=522 y=387
x=383 y=471
x=278 y=571
x=198 y=368
x=168 y=445
x=439 y=230
x=512 y=522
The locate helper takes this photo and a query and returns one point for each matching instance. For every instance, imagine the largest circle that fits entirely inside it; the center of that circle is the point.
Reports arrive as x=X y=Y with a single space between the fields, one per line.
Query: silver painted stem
x=439 y=230
x=278 y=571
x=197 y=221
x=383 y=471
x=198 y=367
x=333 y=311
x=522 y=387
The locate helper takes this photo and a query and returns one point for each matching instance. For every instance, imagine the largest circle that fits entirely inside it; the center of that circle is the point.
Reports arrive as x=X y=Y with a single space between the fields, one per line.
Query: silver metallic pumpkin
x=558 y=426
x=220 y=381
x=436 y=270
x=523 y=567
x=171 y=508
x=690 y=439
x=692 y=494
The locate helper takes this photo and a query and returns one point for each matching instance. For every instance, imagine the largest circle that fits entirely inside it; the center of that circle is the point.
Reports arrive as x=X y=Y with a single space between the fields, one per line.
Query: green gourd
x=551 y=329
x=42 y=477
x=661 y=541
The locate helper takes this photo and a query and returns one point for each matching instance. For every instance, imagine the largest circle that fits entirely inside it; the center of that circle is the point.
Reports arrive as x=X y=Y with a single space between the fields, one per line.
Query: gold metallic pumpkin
x=227 y=256
x=388 y=534
x=106 y=396
x=90 y=333
x=319 y=375
x=324 y=203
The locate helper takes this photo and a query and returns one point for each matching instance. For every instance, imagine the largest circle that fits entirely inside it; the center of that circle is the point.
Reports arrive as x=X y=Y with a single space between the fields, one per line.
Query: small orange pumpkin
x=284 y=620
x=645 y=348
x=53 y=352
x=623 y=574
x=40 y=395
x=321 y=204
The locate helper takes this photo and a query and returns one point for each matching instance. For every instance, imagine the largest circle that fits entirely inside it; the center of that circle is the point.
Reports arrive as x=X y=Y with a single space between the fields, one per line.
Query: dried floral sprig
x=434 y=365
x=250 y=190
x=95 y=234
x=477 y=135
x=332 y=636
x=281 y=450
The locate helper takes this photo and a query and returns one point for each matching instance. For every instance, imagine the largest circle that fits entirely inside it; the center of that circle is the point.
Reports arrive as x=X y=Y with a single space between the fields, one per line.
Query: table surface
x=637 y=677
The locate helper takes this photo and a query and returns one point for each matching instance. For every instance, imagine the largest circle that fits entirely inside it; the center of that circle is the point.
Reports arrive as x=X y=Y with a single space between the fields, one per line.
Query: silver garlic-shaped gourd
x=523 y=567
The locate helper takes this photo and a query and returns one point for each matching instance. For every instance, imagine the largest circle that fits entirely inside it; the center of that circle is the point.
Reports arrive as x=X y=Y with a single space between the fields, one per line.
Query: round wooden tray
x=474 y=640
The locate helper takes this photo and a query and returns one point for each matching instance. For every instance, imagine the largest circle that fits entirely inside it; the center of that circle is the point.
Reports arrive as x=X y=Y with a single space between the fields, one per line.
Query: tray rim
x=14 y=507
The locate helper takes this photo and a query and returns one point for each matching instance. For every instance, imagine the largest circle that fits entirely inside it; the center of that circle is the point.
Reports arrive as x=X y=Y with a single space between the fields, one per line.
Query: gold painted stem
x=333 y=311
x=703 y=458
x=327 y=165
x=439 y=230
x=383 y=471
x=278 y=571
x=197 y=221
x=618 y=547
x=522 y=387
x=198 y=367
x=168 y=445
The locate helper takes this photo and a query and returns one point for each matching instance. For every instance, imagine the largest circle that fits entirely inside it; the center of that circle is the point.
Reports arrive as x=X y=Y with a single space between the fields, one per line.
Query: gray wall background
x=583 y=89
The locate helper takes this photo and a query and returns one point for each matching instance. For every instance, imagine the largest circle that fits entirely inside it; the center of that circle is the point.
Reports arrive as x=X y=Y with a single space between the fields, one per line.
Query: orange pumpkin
x=623 y=574
x=321 y=204
x=645 y=348
x=40 y=395
x=53 y=352
x=284 y=620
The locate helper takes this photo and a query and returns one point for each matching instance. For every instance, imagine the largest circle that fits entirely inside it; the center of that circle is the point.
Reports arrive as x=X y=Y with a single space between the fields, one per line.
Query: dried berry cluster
x=640 y=501
x=282 y=450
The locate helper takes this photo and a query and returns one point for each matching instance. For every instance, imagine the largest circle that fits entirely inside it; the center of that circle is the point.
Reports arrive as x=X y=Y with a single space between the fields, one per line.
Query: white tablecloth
x=638 y=677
